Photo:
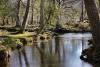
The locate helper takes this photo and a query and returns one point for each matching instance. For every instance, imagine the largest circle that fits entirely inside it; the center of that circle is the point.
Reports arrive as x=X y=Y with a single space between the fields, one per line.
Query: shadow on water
x=61 y=51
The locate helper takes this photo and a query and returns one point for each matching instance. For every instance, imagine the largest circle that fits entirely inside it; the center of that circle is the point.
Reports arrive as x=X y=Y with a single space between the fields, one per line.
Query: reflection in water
x=57 y=46
x=42 y=54
x=62 y=51
x=25 y=57
x=19 y=53
x=47 y=59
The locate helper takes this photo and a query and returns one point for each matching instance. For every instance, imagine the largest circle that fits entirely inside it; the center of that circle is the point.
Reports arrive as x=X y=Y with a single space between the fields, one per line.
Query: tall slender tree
x=41 y=22
x=18 y=24
x=25 y=16
x=32 y=6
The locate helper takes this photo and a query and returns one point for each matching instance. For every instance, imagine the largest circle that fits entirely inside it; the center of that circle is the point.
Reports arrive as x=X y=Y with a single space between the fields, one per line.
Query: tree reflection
x=25 y=57
x=48 y=59
x=57 y=45
x=19 y=54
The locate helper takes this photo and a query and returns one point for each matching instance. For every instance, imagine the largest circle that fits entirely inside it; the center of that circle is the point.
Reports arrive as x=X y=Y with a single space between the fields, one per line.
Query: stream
x=61 y=51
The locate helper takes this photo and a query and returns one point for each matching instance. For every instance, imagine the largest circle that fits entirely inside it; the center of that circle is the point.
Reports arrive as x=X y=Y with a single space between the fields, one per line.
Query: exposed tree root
x=91 y=55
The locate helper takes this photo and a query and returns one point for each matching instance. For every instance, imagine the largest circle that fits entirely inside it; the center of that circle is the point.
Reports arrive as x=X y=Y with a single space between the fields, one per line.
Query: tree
x=6 y=10
x=25 y=16
x=93 y=52
x=41 y=22
x=99 y=5
x=32 y=6
x=17 y=13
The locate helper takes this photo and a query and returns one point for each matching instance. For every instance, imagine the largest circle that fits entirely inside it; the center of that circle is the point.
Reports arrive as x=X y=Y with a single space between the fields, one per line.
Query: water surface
x=61 y=51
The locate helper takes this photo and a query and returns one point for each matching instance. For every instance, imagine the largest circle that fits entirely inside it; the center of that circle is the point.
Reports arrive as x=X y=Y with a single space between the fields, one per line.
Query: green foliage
x=6 y=8
x=13 y=41
x=52 y=11
x=9 y=42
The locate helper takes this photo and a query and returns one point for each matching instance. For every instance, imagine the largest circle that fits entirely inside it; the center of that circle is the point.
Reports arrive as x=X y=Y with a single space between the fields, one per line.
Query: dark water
x=62 y=51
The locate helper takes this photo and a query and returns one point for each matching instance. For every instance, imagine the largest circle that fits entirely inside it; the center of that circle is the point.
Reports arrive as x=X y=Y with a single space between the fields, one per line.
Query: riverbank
x=63 y=31
x=82 y=27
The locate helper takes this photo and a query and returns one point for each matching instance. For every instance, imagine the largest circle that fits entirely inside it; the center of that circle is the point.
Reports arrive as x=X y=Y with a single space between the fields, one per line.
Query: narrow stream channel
x=62 y=51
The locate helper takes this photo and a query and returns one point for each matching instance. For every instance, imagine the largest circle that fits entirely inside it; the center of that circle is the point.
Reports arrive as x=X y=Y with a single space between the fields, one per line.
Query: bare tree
x=25 y=16
x=17 y=13
x=41 y=23
x=32 y=6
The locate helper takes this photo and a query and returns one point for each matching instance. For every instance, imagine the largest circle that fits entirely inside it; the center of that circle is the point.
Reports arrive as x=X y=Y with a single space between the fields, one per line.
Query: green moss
x=13 y=40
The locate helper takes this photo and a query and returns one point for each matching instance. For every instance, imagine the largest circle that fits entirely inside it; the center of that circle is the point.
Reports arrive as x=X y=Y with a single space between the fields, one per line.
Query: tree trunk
x=3 y=20
x=17 y=14
x=41 y=22
x=99 y=5
x=32 y=6
x=25 y=17
x=42 y=13
x=93 y=16
x=93 y=53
